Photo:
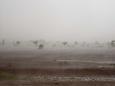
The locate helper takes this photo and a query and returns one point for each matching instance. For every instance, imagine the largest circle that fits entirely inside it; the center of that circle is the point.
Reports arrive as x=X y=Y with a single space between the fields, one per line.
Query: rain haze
x=82 y=20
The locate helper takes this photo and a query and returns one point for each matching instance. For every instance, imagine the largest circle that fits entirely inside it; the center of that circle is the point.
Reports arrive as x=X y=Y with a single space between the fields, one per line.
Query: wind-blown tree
x=113 y=43
x=84 y=44
x=76 y=43
x=108 y=44
x=3 y=42
x=54 y=45
x=35 y=43
x=65 y=43
x=41 y=46
x=18 y=42
x=97 y=43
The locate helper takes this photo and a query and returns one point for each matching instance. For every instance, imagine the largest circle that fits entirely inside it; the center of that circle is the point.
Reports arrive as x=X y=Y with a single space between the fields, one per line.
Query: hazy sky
x=57 y=19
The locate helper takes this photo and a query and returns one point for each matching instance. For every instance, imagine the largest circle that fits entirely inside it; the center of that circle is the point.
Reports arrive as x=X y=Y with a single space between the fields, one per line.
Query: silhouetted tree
x=18 y=42
x=113 y=43
x=41 y=46
x=3 y=42
x=64 y=43
x=35 y=43
x=84 y=44
x=75 y=42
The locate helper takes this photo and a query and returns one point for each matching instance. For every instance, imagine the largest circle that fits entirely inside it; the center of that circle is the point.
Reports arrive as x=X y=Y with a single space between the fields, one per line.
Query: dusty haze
x=82 y=20
x=57 y=42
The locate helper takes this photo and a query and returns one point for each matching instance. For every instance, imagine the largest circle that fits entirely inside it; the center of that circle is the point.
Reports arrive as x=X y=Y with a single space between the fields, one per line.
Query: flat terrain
x=58 y=67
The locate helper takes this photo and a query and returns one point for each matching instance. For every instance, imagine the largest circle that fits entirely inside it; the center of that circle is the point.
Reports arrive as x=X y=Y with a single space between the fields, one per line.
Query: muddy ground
x=91 y=67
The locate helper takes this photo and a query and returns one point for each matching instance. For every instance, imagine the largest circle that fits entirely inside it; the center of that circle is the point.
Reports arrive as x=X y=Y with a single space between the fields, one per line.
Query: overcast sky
x=82 y=20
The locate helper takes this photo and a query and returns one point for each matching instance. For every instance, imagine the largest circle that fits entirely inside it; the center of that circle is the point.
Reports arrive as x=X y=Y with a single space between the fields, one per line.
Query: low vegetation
x=7 y=76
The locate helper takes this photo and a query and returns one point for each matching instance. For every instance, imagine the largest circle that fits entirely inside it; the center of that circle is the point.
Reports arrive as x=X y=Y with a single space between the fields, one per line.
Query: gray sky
x=82 y=20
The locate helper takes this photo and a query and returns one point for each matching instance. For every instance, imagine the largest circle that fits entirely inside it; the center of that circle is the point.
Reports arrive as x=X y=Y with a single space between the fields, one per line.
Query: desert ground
x=57 y=66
